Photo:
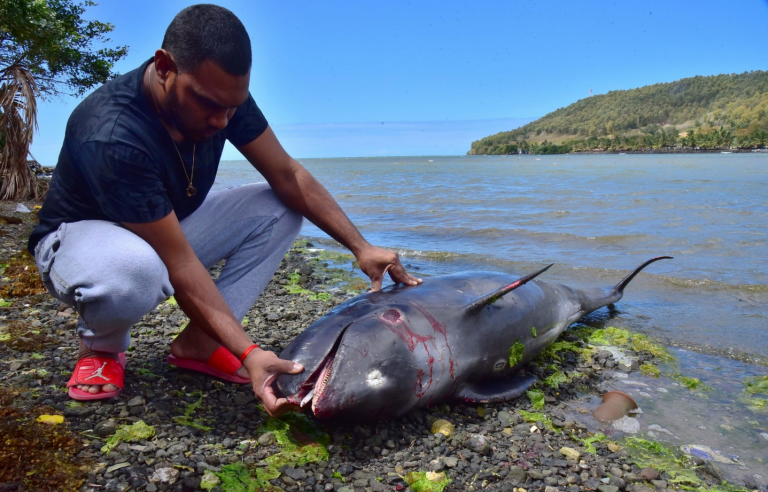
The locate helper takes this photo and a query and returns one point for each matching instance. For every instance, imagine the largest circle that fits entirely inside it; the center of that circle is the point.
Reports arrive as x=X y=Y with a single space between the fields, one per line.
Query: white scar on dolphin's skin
x=374 y=378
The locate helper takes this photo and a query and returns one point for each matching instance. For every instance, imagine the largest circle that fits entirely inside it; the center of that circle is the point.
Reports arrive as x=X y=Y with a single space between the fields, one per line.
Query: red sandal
x=97 y=371
x=222 y=364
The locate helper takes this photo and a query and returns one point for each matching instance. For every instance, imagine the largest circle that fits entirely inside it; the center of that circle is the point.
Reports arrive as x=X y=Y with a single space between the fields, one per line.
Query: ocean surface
x=595 y=216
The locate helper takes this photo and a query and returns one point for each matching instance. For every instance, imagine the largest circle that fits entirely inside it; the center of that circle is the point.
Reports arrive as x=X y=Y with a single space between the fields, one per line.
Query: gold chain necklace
x=191 y=190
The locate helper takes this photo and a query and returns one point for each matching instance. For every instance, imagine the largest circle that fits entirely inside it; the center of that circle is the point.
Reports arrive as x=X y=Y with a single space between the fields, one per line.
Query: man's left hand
x=375 y=262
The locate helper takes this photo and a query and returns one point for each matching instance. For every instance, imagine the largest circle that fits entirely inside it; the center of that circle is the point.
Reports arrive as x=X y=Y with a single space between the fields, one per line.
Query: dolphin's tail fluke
x=592 y=299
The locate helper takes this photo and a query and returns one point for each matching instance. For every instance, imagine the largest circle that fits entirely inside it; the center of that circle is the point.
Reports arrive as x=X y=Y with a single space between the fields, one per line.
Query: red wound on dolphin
x=391 y=315
x=394 y=321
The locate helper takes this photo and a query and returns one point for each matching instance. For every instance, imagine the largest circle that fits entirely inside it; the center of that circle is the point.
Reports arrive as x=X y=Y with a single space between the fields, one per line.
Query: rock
x=516 y=475
x=295 y=473
x=267 y=439
x=649 y=474
x=504 y=418
x=570 y=453
x=715 y=470
x=165 y=475
x=479 y=444
x=608 y=488
x=176 y=448
x=136 y=401
x=152 y=487
x=535 y=474
x=106 y=428
x=78 y=412
x=638 y=487
x=450 y=461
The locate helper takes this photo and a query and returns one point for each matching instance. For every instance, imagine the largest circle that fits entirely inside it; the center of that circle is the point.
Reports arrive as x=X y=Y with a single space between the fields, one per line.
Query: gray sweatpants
x=113 y=278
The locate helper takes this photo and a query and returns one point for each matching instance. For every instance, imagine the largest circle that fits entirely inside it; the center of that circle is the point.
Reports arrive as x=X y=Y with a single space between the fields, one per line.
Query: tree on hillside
x=46 y=49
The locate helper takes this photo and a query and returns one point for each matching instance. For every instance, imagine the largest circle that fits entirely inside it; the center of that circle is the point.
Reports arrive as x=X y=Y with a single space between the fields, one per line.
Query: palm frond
x=18 y=122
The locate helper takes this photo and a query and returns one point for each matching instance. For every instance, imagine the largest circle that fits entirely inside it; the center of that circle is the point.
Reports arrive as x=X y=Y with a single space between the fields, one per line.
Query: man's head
x=204 y=67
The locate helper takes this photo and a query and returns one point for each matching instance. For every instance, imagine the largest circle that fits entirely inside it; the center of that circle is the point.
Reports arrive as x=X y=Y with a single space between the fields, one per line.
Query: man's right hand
x=263 y=367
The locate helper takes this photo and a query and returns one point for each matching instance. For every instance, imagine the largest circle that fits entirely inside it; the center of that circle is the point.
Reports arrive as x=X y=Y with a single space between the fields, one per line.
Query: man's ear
x=165 y=67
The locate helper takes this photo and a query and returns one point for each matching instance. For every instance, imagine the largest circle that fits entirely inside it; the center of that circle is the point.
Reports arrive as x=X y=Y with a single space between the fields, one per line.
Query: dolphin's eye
x=391 y=315
x=500 y=365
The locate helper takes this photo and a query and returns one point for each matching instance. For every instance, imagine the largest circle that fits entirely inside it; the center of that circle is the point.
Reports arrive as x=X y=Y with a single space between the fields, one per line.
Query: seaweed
x=427 y=481
x=24 y=278
x=650 y=370
x=128 y=433
x=587 y=442
x=533 y=417
x=237 y=477
x=690 y=383
x=516 y=353
x=294 y=287
x=556 y=379
x=756 y=385
x=49 y=452
x=21 y=336
x=300 y=441
x=633 y=341
x=537 y=399
x=187 y=419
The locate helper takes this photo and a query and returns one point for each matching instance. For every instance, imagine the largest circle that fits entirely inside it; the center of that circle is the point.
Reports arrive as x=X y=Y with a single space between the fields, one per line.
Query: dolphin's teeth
x=307 y=398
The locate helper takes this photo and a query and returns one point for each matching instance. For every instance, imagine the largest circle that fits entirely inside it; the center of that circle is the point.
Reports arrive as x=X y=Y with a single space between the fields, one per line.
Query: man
x=129 y=219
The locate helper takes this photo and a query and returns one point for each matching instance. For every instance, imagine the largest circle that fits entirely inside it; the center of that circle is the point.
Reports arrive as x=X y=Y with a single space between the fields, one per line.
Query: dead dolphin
x=458 y=336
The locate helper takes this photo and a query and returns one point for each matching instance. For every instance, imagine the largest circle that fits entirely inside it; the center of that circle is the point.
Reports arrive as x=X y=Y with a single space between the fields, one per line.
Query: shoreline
x=652 y=151
x=203 y=427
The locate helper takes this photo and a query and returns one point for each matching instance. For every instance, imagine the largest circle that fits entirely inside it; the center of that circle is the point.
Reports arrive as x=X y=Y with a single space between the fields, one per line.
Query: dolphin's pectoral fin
x=496 y=390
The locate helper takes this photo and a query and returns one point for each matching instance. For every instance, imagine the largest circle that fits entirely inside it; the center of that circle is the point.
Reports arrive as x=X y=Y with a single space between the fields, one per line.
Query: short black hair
x=208 y=32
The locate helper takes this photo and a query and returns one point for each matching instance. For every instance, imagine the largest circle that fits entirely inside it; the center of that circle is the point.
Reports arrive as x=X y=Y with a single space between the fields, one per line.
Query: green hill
x=720 y=111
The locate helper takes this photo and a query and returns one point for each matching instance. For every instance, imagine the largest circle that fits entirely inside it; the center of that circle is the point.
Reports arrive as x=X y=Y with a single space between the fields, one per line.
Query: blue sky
x=345 y=79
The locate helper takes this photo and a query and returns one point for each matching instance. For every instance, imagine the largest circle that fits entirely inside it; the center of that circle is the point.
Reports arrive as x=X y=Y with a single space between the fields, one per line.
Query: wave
x=586 y=276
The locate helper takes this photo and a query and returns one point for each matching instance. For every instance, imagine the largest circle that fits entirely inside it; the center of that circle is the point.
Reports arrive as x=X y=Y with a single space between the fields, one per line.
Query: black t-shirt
x=118 y=162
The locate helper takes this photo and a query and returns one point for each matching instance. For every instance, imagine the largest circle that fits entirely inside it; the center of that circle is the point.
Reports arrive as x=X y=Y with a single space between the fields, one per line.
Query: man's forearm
x=310 y=198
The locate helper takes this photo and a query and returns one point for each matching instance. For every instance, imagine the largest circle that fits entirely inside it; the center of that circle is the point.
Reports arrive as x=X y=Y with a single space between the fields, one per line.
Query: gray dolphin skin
x=459 y=336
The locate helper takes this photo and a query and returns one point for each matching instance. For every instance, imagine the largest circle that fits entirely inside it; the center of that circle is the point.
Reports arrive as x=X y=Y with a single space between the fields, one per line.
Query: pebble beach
x=175 y=430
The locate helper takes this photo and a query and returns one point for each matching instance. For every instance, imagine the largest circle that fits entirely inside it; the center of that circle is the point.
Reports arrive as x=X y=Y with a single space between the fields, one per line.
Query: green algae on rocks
x=681 y=470
x=427 y=481
x=755 y=385
x=537 y=398
x=299 y=439
x=237 y=477
x=587 y=441
x=623 y=338
x=129 y=433
x=187 y=419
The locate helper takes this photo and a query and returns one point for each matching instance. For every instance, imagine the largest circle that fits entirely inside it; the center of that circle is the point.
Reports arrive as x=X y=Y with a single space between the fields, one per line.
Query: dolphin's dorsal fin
x=491 y=297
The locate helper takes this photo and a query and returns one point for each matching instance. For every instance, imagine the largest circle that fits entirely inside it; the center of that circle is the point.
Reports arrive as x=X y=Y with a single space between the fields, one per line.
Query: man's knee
x=135 y=284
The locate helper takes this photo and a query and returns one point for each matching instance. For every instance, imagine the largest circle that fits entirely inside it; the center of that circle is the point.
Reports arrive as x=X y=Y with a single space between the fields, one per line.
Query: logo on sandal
x=97 y=373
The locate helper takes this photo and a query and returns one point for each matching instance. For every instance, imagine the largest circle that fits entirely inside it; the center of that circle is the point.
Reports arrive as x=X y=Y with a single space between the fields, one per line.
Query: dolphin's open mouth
x=313 y=388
